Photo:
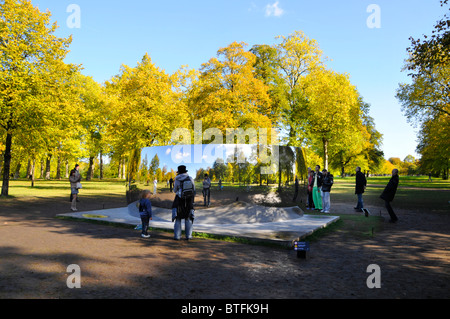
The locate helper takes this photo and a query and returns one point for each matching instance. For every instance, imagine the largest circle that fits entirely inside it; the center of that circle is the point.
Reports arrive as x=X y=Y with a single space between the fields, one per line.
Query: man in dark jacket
x=327 y=182
x=389 y=194
x=360 y=187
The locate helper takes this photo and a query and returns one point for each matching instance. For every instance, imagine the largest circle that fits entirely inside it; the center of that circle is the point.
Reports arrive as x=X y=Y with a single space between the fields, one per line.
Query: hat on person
x=181 y=169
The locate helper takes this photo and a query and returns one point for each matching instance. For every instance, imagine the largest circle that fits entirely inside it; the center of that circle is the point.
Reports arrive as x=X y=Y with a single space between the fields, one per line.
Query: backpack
x=187 y=188
x=186 y=195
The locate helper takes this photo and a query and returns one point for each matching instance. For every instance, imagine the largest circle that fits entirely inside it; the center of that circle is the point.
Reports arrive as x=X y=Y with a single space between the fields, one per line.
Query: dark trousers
x=206 y=194
x=390 y=211
x=310 y=200
x=145 y=219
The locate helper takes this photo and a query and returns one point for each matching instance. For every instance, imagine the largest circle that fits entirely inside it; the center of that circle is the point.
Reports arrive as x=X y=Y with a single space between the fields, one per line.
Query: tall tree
x=297 y=56
x=267 y=69
x=29 y=55
x=426 y=100
x=227 y=93
x=147 y=106
x=332 y=111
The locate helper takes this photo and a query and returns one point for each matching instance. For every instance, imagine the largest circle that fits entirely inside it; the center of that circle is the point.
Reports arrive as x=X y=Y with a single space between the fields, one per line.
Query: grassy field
x=56 y=188
x=414 y=193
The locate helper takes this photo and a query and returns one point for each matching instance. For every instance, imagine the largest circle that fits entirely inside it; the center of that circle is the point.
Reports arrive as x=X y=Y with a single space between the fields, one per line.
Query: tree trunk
x=7 y=164
x=58 y=168
x=41 y=176
x=119 y=170
x=325 y=153
x=90 y=172
x=17 y=172
x=47 y=166
x=448 y=171
x=28 y=169
x=124 y=168
x=101 y=165
x=33 y=164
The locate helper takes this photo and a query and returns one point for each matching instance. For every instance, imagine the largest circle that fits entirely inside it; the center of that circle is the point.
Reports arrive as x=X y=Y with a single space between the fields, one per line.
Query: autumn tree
x=228 y=95
x=30 y=54
x=332 y=111
x=146 y=107
x=426 y=100
x=266 y=68
x=297 y=57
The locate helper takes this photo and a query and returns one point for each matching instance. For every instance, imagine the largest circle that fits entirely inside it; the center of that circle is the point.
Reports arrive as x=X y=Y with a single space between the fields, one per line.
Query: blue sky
x=177 y=33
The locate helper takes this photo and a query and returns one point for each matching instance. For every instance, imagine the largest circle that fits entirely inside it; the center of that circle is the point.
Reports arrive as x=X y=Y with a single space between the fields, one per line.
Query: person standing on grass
x=316 y=184
x=360 y=187
x=327 y=182
x=75 y=179
x=389 y=194
x=145 y=212
x=206 y=190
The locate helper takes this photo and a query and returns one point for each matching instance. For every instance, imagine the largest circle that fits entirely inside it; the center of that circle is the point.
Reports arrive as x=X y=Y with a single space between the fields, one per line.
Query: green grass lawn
x=55 y=188
x=414 y=193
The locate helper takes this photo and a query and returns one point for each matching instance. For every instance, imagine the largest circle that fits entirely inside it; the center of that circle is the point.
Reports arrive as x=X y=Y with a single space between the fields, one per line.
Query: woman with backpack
x=183 y=204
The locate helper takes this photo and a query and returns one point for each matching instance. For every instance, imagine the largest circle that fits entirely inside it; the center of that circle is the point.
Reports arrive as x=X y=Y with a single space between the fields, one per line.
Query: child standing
x=145 y=211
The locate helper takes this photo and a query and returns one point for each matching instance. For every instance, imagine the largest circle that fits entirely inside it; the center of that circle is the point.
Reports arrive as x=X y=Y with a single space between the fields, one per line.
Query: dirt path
x=36 y=248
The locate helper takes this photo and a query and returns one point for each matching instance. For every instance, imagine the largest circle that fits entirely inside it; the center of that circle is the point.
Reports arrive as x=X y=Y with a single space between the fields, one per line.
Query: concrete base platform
x=275 y=224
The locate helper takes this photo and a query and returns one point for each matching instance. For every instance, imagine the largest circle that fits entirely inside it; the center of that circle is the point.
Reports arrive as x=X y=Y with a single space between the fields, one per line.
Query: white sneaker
x=145 y=236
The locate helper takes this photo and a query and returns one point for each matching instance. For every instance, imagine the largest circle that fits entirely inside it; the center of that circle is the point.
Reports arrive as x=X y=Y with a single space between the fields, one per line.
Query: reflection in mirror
x=227 y=165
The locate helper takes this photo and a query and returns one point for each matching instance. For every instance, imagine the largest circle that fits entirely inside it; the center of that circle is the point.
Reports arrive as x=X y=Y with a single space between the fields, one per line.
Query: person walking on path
x=170 y=184
x=206 y=190
x=183 y=204
x=360 y=187
x=389 y=194
x=75 y=185
x=316 y=184
x=327 y=182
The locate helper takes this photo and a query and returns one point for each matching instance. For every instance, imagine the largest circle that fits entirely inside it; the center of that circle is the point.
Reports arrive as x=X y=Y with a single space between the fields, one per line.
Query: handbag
x=79 y=186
